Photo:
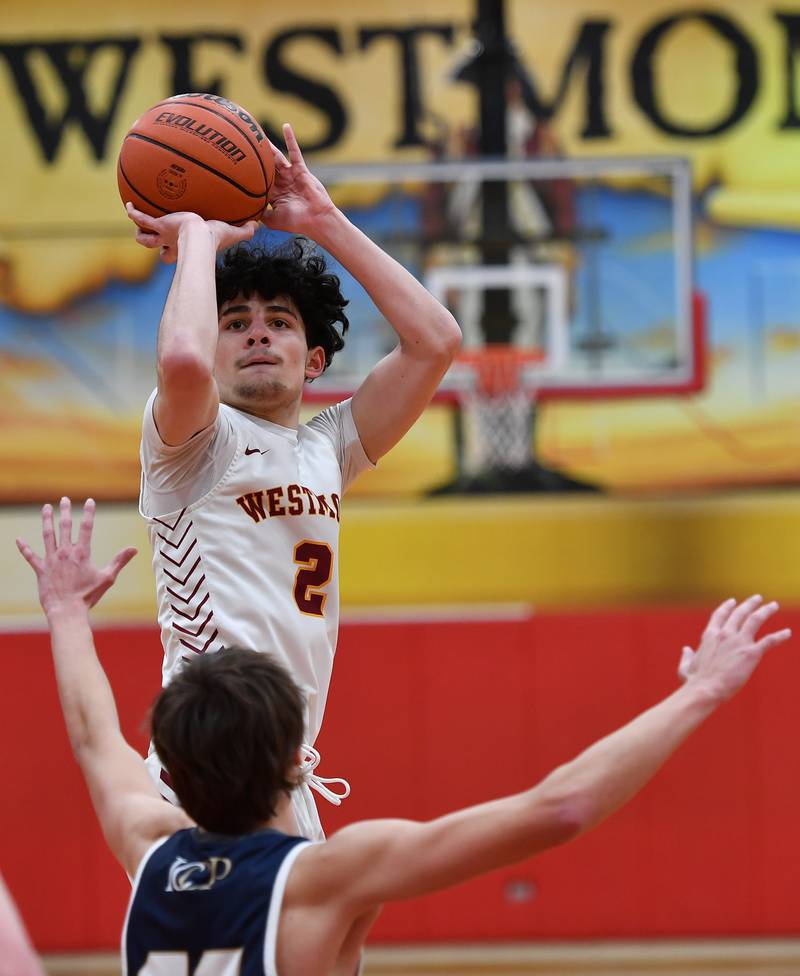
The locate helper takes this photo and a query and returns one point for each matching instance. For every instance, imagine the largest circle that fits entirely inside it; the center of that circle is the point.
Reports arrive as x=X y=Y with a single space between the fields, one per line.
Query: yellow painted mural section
x=542 y=553
x=693 y=67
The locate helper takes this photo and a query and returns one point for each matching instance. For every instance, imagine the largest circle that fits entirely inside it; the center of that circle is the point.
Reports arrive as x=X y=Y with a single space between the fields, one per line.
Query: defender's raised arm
x=387 y=860
x=127 y=804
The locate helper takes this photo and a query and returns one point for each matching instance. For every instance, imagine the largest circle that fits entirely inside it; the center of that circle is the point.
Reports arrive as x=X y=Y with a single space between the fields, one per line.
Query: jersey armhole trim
x=275 y=905
x=134 y=888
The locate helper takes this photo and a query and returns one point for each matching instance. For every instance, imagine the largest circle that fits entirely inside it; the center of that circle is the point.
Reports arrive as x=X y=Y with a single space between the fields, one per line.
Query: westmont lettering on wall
x=718 y=85
x=359 y=81
x=584 y=66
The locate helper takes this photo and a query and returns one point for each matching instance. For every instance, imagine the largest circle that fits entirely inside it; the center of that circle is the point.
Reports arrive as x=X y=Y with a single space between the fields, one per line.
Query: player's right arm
x=188 y=399
x=386 y=860
x=128 y=806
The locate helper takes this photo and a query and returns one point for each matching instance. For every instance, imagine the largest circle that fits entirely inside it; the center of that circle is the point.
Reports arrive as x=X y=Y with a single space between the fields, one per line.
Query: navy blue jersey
x=208 y=905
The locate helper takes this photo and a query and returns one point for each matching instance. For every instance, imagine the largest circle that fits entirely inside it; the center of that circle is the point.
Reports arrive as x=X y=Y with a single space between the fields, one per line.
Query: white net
x=498 y=430
x=497 y=406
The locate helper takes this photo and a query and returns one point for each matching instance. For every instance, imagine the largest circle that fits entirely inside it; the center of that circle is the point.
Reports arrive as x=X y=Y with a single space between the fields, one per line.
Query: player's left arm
x=398 y=389
x=128 y=806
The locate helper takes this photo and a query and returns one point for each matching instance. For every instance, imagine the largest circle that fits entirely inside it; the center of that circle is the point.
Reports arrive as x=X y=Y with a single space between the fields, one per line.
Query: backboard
x=588 y=262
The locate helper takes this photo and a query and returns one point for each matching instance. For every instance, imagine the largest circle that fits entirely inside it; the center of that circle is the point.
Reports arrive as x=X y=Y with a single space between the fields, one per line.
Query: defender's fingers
x=85 y=530
x=721 y=614
x=758 y=618
x=48 y=530
x=29 y=555
x=685 y=665
x=743 y=611
x=65 y=527
x=292 y=145
x=120 y=561
x=773 y=640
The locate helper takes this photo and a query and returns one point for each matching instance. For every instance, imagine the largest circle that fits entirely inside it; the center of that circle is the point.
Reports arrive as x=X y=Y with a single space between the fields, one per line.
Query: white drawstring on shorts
x=309 y=760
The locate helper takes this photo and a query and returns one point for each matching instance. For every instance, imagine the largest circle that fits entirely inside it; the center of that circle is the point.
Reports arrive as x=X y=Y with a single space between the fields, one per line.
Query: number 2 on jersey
x=315 y=562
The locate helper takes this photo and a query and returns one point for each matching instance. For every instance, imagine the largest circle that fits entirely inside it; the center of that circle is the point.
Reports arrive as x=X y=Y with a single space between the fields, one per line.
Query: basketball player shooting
x=219 y=881
x=243 y=501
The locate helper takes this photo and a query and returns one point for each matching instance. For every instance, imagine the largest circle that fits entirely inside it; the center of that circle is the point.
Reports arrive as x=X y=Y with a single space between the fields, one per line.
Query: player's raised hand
x=66 y=573
x=163 y=232
x=298 y=201
x=730 y=647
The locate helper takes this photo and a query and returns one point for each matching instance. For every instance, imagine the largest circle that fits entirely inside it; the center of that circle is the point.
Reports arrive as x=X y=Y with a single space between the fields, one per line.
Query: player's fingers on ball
x=280 y=159
x=142 y=221
x=48 y=530
x=743 y=611
x=292 y=144
x=147 y=239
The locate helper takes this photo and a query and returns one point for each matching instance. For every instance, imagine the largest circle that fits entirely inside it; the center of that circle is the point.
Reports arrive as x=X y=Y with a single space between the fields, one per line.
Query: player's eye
x=280 y=323
x=236 y=325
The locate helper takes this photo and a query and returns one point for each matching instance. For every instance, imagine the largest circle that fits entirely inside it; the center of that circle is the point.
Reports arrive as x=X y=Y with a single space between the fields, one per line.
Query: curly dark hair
x=295 y=269
x=227 y=729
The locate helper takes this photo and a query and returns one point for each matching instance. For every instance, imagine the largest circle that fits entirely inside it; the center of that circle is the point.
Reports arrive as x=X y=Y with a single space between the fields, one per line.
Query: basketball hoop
x=497 y=405
x=498 y=367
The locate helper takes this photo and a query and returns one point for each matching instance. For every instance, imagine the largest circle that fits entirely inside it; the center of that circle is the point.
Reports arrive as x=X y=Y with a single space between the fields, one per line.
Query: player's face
x=262 y=357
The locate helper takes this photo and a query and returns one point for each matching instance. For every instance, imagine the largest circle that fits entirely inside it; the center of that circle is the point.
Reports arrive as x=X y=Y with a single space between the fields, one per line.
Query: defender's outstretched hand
x=730 y=647
x=66 y=573
x=298 y=201
x=163 y=232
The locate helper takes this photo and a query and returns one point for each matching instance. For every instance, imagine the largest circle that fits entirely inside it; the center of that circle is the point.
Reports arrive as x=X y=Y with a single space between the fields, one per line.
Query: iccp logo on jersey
x=197 y=875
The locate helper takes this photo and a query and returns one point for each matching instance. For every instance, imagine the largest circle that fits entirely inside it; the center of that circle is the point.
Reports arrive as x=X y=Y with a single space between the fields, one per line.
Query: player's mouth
x=260 y=361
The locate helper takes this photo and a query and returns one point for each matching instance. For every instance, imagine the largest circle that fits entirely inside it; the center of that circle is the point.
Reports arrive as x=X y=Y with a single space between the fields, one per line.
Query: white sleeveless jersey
x=244 y=524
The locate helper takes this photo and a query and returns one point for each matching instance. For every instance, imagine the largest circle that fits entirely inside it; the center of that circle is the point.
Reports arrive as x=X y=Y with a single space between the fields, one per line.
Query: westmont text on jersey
x=292 y=500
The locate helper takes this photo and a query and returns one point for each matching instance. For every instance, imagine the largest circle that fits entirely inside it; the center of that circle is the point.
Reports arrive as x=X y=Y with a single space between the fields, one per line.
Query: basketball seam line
x=225 y=118
x=139 y=192
x=191 y=159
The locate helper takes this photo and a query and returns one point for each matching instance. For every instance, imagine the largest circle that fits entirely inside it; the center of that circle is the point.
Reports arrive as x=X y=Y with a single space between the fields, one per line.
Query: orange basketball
x=200 y=153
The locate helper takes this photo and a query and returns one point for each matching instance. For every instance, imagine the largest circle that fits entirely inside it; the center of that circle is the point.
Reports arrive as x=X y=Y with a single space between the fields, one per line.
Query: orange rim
x=498 y=367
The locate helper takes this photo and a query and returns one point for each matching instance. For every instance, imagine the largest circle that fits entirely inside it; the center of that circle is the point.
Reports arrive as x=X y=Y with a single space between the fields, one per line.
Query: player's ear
x=315 y=362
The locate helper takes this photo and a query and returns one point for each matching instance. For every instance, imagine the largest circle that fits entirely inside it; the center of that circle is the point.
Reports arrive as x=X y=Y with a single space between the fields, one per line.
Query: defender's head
x=228 y=729
x=277 y=323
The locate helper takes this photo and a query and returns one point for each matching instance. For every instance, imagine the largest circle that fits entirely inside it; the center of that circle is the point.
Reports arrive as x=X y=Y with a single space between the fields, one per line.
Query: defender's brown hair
x=227 y=728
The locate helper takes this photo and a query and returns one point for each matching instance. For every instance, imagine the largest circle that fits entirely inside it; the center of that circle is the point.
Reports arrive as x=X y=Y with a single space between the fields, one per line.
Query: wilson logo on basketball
x=237 y=110
x=205 y=132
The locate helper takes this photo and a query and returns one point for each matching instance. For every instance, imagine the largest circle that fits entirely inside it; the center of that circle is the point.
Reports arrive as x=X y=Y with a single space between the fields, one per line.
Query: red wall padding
x=427 y=717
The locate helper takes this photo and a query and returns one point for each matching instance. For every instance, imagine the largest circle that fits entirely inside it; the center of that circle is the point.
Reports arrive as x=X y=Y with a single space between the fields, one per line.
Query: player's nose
x=259 y=333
